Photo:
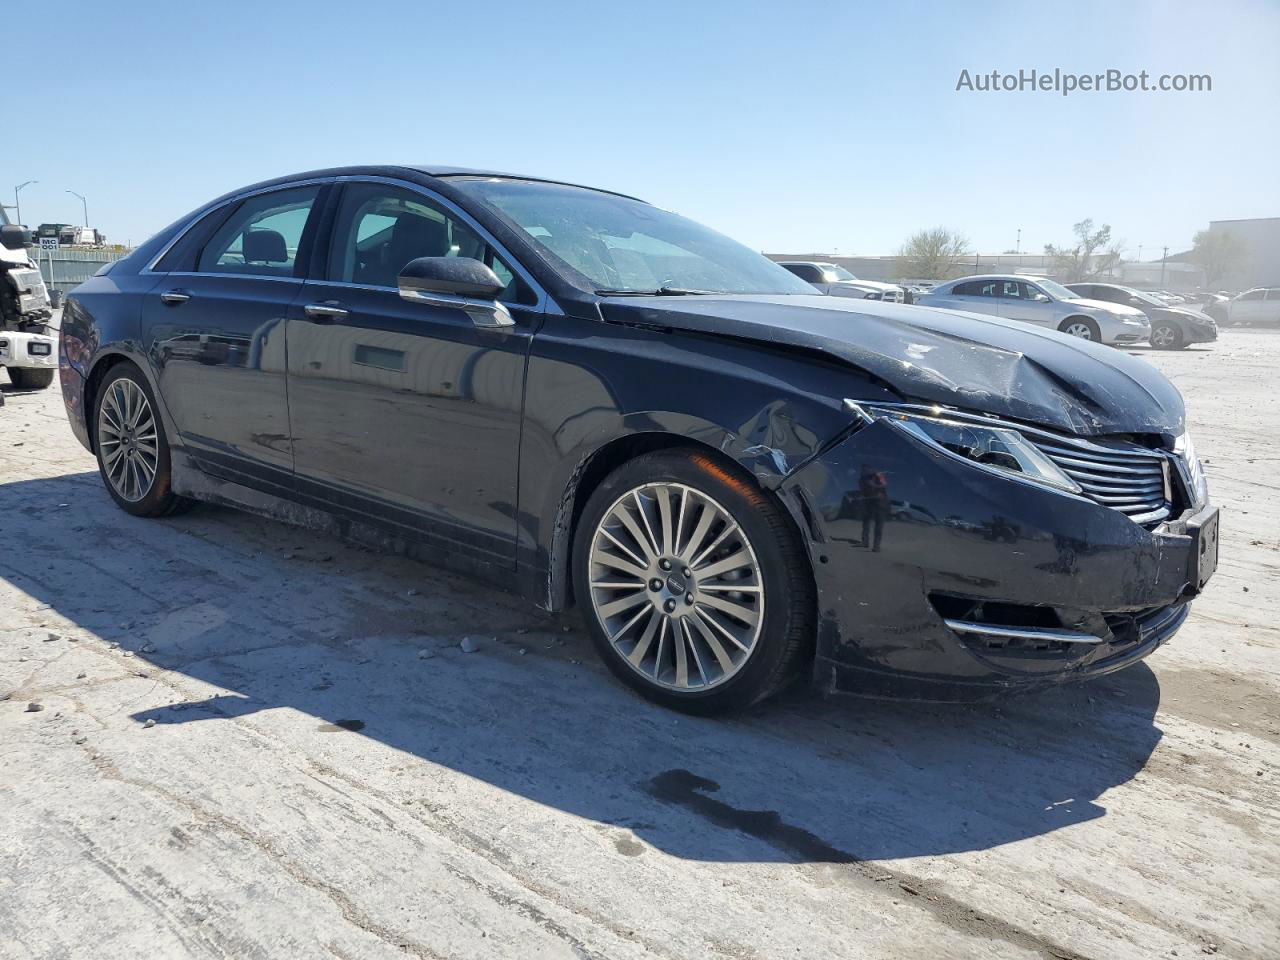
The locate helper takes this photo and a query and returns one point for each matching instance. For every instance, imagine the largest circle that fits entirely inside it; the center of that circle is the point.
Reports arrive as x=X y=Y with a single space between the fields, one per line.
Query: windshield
x=618 y=245
x=836 y=272
x=1056 y=290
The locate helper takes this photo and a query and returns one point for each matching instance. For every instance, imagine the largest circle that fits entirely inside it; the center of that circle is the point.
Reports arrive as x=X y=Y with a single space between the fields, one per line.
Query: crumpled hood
x=967 y=360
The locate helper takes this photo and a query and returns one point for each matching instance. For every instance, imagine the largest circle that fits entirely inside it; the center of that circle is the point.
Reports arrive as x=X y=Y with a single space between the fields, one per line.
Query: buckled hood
x=966 y=360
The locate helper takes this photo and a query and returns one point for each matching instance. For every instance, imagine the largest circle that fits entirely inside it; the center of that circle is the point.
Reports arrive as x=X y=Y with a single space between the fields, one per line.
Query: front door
x=216 y=330
x=404 y=413
x=1024 y=301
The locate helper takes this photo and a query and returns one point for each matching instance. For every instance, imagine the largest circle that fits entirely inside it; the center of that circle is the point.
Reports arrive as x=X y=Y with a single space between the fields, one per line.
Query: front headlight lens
x=1185 y=449
x=998 y=449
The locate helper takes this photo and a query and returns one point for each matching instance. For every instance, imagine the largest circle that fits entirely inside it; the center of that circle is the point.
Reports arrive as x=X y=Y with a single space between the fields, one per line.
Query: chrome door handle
x=175 y=297
x=324 y=311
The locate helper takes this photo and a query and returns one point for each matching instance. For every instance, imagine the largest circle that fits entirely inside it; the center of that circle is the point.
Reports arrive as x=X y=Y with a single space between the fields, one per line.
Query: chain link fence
x=66 y=268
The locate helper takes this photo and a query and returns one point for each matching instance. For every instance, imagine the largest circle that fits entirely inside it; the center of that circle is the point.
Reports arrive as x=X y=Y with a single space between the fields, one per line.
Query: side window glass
x=1010 y=290
x=262 y=236
x=1273 y=294
x=1253 y=295
x=380 y=228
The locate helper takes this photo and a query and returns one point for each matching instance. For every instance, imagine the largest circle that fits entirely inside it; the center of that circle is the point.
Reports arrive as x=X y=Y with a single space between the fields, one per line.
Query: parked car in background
x=586 y=399
x=835 y=281
x=1172 y=328
x=1042 y=302
x=1172 y=299
x=1259 y=305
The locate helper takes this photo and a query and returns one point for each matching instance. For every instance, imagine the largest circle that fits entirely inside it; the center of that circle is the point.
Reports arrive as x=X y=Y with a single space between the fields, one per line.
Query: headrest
x=264 y=246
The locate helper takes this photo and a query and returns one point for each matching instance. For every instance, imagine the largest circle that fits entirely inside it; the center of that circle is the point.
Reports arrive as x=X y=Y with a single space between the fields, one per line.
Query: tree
x=1219 y=254
x=1084 y=261
x=933 y=255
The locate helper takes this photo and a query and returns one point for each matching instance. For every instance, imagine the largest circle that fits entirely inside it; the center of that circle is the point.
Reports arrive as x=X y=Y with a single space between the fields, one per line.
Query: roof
x=435 y=170
x=998 y=276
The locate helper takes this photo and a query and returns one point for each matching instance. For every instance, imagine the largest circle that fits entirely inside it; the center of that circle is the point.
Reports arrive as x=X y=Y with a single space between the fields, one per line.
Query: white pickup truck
x=26 y=349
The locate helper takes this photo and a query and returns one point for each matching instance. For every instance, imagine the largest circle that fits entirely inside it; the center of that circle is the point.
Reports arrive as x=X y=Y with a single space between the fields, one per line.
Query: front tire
x=1166 y=336
x=29 y=379
x=695 y=586
x=132 y=450
x=1081 y=327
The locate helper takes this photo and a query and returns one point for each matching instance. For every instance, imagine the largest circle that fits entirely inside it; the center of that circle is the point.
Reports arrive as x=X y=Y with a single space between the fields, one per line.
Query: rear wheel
x=133 y=453
x=1081 y=327
x=1166 y=336
x=696 y=588
x=29 y=379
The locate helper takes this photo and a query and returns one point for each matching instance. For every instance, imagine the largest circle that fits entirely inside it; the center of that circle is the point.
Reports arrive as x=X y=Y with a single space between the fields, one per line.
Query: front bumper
x=1115 y=331
x=28 y=350
x=948 y=542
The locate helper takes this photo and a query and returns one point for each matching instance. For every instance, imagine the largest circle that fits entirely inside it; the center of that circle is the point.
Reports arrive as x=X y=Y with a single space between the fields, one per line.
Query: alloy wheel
x=127 y=440
x=1080 y=330
x=676 y=586
x=1162 y=337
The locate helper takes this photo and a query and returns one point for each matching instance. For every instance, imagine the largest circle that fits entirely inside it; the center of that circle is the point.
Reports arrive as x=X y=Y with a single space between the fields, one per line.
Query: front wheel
x=1081 y=327
x=1166 y=336
x=696 y=588
x=30 y=379
x=133 y=453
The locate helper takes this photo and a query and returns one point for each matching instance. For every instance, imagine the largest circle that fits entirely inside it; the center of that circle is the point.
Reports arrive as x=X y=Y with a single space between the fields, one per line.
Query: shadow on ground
x=282 y=618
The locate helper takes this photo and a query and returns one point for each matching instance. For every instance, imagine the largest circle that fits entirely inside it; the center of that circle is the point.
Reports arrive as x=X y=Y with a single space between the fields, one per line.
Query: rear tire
x=1081 y=327
x=719 y=612
x=132 y=450
x=1166 y=336
x=25 y=378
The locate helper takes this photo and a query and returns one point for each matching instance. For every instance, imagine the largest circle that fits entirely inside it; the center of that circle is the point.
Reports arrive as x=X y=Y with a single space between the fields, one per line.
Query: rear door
x=404 y=413
x=1271 y=306
x=1249 y=307
x=215 y=326
x=976 y=296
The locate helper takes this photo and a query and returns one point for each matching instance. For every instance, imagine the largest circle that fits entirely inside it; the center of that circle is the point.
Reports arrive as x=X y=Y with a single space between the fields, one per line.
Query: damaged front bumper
x=944 y=582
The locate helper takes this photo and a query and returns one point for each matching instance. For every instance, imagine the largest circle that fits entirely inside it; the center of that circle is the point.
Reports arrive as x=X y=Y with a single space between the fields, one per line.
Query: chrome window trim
x=542 y=299
x=205 y=211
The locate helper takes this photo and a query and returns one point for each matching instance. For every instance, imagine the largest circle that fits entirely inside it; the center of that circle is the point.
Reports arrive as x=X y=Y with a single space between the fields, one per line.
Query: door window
x=380 y=228
x=1252 y=295
x=262 y=236
x=975 y=288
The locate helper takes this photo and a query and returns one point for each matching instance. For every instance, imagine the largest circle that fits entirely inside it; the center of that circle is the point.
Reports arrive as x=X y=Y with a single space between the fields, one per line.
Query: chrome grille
x=1133 y=480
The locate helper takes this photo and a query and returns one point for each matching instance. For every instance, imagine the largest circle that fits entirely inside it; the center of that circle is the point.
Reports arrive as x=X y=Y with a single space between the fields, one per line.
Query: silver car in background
x=1045 y=303
x=835 y=281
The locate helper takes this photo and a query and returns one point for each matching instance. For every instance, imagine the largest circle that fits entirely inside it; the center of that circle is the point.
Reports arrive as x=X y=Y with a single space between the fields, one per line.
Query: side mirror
x=13 y=237
x=460 y=282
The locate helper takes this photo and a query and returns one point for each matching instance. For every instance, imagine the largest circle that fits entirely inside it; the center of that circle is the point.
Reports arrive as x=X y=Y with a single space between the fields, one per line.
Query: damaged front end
x=959 y=556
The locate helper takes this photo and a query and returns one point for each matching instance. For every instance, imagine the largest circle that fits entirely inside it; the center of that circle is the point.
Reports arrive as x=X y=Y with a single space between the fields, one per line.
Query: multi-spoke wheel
x=1081 y=327
x=133 y=456
x=696 y=589
x=1165 y=336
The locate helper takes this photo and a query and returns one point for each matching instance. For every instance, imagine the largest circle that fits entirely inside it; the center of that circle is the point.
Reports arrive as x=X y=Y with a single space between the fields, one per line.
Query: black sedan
x=588 y=400
x=1172 y=328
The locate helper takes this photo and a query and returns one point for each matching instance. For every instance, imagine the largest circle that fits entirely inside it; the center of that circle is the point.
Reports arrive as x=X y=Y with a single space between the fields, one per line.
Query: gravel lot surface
x=255 y=741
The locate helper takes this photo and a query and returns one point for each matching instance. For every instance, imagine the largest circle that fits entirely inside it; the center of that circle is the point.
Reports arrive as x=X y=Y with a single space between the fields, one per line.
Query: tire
x=1167 y=336
x=774 y=585
x=1081 y=327
x=25 y=378
x=142 y=484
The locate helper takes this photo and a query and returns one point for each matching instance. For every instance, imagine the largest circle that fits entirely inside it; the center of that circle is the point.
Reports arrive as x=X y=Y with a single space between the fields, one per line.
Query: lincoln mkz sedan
x=589 y=400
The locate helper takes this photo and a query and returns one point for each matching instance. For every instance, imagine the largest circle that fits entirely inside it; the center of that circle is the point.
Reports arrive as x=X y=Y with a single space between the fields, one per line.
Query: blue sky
x=791 y=127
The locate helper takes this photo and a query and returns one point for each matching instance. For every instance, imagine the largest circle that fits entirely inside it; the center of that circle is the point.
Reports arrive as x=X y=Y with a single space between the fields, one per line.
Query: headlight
x=1184 y=448
x=1000 y=450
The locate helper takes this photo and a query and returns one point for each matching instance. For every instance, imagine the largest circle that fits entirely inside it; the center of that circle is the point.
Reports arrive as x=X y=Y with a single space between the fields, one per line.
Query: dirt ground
x=256 y=741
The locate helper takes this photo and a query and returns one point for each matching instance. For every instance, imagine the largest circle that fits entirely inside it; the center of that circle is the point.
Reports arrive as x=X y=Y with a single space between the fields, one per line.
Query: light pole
x=17 y=206
x=86 y=205
x=1017 y=247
